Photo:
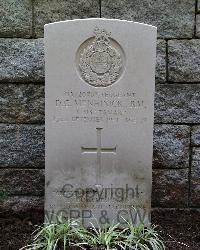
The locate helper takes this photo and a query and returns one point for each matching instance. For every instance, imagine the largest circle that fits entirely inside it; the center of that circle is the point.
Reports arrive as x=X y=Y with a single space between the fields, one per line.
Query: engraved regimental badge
x=100 y=62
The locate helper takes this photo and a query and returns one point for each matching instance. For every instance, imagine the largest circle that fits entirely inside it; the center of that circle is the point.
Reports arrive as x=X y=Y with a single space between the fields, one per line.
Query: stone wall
x=176 y=173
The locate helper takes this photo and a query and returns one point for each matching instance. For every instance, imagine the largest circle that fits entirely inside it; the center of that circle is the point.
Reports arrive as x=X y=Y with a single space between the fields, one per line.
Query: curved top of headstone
x=99 y=45
x=100 y=20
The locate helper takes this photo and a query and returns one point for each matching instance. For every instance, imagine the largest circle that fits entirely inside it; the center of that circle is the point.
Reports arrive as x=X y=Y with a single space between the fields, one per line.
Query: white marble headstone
x=100 y=77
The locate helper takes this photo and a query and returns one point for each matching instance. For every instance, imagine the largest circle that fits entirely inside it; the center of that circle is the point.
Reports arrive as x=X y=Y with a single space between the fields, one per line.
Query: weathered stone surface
x=22 y=60
x=198 y=6
x=22 y=181
x=21 y=204
x=21 y=103
x=85 y=147
x=198 y=25
x=195 y=135
x=21 y=146
x=170 y=188
x=16 y=18
x=177 y=103
x=161 y=61
x=195 y=178
x=173 y=18
x=184 y=60
x=171 y=146
x=53 y=11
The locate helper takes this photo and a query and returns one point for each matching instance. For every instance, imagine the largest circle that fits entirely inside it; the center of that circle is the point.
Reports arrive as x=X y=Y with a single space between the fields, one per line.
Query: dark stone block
x=171 y=146
x=22 y=146
x=22 y=60
x=22 y=182
x=21 y=103
x=184 y=60
x=173 y=18
x=170 y=188
x=177 y=103
x=195 y=178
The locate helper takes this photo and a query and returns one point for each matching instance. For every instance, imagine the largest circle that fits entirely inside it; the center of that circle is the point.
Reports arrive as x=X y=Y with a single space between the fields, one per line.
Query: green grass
x=61 y=233
x=105 y=237
x=64 y=234
x=141 y=238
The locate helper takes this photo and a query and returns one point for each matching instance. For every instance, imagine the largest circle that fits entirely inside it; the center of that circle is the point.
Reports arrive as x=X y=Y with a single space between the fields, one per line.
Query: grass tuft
x=65 y=233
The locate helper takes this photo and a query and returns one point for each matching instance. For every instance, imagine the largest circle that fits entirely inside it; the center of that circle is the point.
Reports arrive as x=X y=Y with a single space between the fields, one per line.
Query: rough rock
x=184 y=60
x=53 y=11
x=21 y=182
x=198 y=25
x=195 y=135
x=171 y=146
x=170 y=188
x=21 y=103
x=21 y=204
x=161 y=61
x=173 y=18
x=177 y=103
x=21 y=146
x=16 y=18
x=22 y=60
x=195 y=178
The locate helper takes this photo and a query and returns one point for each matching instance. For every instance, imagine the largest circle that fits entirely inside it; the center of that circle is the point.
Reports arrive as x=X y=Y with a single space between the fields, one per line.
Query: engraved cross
x=99 y=150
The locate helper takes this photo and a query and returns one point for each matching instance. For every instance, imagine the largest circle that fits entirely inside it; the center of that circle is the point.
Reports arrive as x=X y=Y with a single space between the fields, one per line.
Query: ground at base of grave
x=179 y=229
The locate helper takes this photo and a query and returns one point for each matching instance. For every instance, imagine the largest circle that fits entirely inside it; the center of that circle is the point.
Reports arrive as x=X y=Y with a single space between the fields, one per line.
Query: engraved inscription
x=100 y=106
x=100 y=62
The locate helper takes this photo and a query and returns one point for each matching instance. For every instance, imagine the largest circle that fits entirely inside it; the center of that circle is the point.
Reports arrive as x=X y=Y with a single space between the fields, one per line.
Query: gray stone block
x=21 y=204
x=22 y=146
x=170 y=188
x=161 y=61
x=198 y=26
x=195 y=178
x=173 y=18
x=16 y=18
x=53 y=11
x=22 y=60
x=195 y=135
x=171 y=146
x=177 y=103
x=22 y=181
x=184 y=60
x=21 y=103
